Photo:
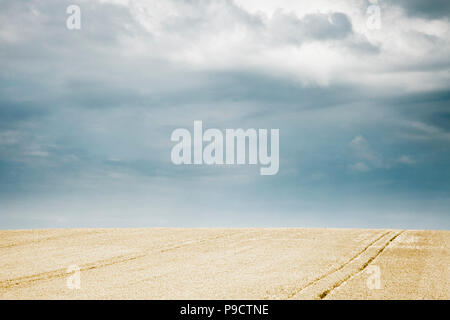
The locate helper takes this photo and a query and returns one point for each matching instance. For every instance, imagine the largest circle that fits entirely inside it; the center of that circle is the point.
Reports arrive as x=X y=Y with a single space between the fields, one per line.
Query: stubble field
x=224 y=264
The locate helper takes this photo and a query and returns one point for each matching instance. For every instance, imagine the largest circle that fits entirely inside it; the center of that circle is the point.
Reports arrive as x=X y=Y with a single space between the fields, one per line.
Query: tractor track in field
x=59 y=273
x=321 y=286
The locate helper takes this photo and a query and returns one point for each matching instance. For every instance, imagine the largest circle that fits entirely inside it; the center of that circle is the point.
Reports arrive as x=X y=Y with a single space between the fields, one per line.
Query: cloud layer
x=86 y=115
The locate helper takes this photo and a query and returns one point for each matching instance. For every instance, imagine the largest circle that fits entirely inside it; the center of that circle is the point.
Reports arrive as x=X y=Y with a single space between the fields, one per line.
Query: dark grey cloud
x=12 y=112
x=431 y=9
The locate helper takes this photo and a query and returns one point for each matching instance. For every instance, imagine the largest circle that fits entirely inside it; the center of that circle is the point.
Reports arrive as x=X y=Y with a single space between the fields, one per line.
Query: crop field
x=166 y=263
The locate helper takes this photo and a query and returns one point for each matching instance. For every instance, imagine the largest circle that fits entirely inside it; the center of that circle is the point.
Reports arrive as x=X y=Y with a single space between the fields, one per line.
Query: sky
x=363 y=112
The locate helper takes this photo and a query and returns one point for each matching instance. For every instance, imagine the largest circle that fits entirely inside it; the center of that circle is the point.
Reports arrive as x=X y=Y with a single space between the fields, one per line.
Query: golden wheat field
x=166 y=263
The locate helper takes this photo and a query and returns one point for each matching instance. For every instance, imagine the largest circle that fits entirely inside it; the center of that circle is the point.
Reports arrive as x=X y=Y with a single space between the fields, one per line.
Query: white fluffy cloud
x=316 y=43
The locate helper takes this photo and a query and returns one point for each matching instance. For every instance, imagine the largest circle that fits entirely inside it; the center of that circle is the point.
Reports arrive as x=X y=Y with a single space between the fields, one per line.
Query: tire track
x=340 y=274
x=59 y=273
x=50 y=238
x=201 y=241
x=54 y=274
x=326 y=274
x=336 y=285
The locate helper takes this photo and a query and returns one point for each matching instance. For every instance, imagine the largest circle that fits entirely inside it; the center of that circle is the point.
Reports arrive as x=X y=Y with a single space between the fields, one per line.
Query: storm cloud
x=86 y=115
